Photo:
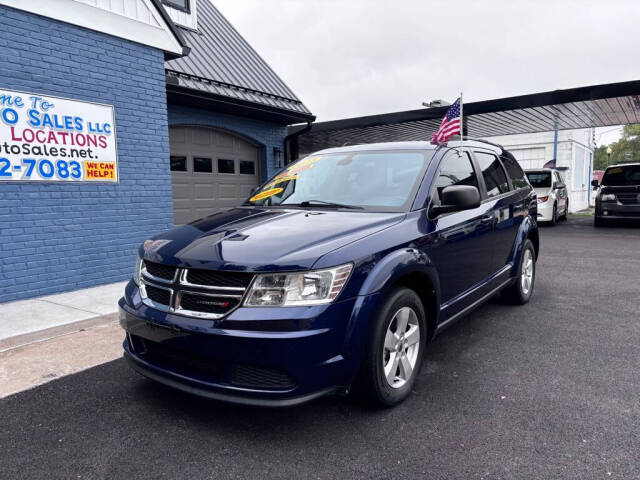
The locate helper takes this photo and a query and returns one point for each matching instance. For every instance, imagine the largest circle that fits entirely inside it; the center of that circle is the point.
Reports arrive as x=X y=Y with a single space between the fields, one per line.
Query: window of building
x=226 y=166
x=247 y=168
x=518 y=178
x=456 y=170
x=202 y=165
x=178 y=4
x=178 y=164
x=494 y=175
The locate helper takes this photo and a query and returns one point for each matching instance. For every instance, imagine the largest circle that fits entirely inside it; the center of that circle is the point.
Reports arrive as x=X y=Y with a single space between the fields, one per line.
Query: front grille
x=163 y=355
x=258 y=377
x=207 y=304
x=628 y=198
x=219 y=279
x=164 y=272
x=196 y=293
x=158 y=295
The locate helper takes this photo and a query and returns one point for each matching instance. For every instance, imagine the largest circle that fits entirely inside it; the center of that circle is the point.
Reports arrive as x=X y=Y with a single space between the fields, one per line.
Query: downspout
x=294 y=136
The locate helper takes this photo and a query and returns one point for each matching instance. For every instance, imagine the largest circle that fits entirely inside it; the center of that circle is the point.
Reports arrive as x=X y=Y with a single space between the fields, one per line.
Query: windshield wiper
x=320 y=203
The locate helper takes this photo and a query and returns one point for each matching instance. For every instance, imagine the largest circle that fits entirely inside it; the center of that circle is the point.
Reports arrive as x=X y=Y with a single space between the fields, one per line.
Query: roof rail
x=481 y=140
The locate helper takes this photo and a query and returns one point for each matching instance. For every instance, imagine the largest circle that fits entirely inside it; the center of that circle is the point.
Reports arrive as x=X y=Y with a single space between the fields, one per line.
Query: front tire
x=554 y=215
x=598 y=222
x=565 y=217
x=395 y=350
x=521 y=290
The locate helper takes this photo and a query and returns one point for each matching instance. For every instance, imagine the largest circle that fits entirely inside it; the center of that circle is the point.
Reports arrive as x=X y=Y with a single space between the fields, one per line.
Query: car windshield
x=384 y=181
x=539 y=179
x=622 y=176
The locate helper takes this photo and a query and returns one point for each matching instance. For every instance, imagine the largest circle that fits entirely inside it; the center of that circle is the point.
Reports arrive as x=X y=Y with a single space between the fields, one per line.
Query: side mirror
x=594 y=183
x=457 y=198
x=559 y=186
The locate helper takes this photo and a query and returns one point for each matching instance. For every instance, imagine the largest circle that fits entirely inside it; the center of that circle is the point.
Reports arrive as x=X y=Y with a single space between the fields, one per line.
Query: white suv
x=553 y=198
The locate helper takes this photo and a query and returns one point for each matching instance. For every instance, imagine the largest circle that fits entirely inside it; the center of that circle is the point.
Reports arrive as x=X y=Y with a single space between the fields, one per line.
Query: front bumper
x=268 y=368
x=617 y=211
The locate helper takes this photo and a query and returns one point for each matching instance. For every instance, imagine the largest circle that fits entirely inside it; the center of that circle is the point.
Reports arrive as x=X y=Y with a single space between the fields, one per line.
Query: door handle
x=487 y=219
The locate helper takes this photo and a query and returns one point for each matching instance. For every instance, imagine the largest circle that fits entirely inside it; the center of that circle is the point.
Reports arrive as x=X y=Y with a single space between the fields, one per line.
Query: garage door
x=211 y=171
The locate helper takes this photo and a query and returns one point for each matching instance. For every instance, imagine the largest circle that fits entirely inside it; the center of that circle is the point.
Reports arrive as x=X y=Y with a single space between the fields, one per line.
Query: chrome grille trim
x=187 y=283
x=150 y=303
x=145 y=273
x=176 y=290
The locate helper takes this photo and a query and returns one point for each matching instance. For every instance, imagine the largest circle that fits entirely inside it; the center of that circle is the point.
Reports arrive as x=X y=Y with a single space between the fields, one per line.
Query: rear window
x=514 y=170
x=622 y=176
x=494 y=176
x=539 y=179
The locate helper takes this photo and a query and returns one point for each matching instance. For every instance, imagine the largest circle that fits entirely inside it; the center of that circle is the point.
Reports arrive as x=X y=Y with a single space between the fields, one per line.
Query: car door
x=505 y=205
x=461 y=245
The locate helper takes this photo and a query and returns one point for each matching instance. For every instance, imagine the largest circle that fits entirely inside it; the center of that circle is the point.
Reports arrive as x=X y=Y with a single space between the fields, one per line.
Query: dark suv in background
x=336 y=273
x=618 y=195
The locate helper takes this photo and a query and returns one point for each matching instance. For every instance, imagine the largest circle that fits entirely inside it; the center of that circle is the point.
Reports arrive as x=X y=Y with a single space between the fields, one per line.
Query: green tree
x=625 y=150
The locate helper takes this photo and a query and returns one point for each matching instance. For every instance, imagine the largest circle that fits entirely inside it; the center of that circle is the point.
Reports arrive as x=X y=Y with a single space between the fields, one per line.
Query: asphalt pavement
x=548 y=390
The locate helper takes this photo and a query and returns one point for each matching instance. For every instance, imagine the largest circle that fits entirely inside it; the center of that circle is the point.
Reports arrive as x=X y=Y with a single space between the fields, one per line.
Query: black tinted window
x=456 y=170
x=247 y=168
x=202 y=165
x=226 y=166
x=494 y=177
x=178 y=164
x=540 y=179
x=622 y=176
x=515 y=172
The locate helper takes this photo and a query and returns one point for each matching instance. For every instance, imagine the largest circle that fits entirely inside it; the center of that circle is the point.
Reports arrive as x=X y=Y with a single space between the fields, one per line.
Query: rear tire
x=521 y=290
x=554 y=216
x=394 y=352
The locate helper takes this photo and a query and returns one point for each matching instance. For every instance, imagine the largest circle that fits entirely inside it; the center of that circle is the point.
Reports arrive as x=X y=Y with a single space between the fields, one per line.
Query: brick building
x=119 y=119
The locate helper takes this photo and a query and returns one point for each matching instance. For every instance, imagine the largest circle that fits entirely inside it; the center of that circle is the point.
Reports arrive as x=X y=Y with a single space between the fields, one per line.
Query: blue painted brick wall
x=57 y=237
x=267 y=134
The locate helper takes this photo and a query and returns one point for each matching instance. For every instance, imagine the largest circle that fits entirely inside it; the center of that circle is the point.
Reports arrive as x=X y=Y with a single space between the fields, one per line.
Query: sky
x=358 y=57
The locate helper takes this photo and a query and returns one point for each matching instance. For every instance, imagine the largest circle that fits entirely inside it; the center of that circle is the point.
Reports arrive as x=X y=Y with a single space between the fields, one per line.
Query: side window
x=494 y=177
x=515 y=172
x=456 y=170
x=559 y=178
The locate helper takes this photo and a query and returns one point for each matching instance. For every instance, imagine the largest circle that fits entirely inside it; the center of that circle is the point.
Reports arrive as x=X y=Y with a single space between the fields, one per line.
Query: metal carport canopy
x=583 y=107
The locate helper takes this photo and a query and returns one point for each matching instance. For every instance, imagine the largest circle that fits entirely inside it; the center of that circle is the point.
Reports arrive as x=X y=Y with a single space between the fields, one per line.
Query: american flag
x=450 y=124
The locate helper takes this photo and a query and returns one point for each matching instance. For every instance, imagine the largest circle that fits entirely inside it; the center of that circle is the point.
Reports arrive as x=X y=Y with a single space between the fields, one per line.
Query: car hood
x=262 y=239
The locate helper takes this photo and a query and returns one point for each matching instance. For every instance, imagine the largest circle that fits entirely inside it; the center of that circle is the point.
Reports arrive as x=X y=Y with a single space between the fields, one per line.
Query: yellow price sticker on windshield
x=265 y=194
x=276 y=181
x=301 y=166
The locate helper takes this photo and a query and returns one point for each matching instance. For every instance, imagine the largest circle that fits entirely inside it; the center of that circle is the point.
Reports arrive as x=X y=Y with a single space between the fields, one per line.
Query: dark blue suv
x=335 y=274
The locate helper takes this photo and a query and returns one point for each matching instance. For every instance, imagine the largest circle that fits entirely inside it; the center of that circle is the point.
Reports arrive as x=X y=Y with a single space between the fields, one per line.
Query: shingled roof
x=222 y=63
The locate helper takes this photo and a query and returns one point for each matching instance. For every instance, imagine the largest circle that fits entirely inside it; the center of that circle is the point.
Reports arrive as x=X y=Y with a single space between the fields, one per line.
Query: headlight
x=314 y=287
x=137 y=272
x=607 y=197
x=543 y=199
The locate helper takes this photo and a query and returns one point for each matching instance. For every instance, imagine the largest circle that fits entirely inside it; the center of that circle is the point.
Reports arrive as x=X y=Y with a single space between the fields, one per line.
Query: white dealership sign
x=52 y=139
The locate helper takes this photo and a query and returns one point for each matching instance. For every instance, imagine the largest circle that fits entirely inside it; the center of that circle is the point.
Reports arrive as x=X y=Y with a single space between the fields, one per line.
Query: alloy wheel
x=526 y=278
x=401 y=347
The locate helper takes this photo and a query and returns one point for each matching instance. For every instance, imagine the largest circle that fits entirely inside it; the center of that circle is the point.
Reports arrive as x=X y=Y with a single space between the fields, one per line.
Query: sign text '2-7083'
x=45 y=138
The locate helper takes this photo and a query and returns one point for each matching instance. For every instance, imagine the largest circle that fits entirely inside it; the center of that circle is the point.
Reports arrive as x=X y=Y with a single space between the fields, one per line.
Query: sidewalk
x=45 y=338
x=27 y=321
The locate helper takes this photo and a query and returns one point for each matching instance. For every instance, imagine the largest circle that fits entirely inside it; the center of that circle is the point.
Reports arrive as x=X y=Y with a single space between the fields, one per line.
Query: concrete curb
x=49 y=333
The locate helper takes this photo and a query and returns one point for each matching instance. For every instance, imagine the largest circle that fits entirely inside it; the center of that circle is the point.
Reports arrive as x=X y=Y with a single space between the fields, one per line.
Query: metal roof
x=594 y=106
x=222 y=63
